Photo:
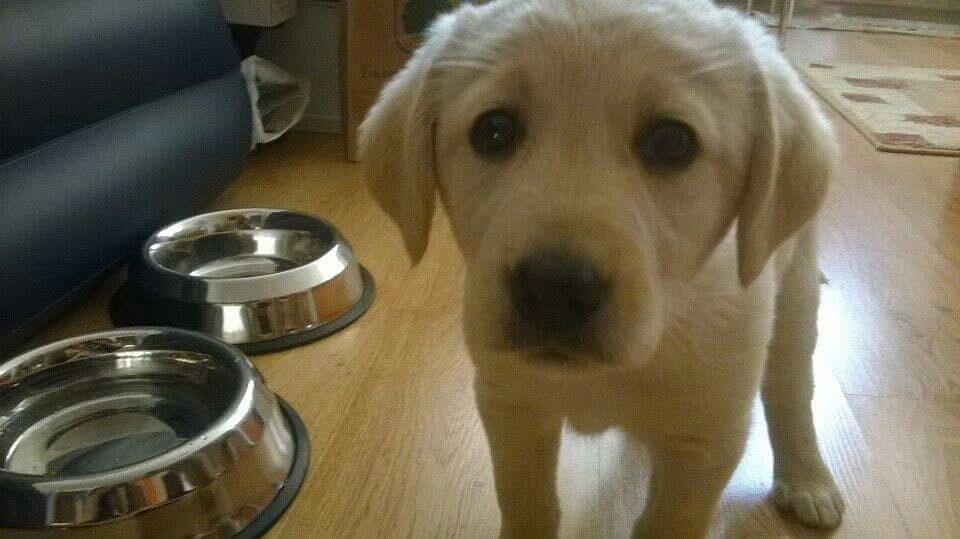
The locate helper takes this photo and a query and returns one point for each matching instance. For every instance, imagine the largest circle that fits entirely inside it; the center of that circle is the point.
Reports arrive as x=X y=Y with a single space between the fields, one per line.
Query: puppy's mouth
x=574 y=351
x=555 y=356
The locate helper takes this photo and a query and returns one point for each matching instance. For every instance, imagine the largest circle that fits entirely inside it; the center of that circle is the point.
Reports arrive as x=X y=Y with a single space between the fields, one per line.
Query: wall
x=309 y=45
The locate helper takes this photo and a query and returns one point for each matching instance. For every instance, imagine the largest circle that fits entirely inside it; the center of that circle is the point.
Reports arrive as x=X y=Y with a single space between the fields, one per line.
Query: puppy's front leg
x=802 y=482
x=523 y=444
x=688 y=478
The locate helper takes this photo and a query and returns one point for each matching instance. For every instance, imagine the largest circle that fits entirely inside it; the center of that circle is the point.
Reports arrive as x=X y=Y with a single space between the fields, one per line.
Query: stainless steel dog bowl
x=261 y=279
x=143 y=432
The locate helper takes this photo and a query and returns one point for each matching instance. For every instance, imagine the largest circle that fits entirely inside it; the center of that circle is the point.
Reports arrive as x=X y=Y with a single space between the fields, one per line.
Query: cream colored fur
x=712 y=266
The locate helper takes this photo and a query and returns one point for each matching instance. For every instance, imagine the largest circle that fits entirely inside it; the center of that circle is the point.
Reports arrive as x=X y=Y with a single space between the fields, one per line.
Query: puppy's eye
x=495 y=133
x=667 y=144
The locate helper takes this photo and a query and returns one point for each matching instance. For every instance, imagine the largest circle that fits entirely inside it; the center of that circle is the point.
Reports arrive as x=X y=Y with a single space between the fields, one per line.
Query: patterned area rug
x=879 y=25
x=900 y=109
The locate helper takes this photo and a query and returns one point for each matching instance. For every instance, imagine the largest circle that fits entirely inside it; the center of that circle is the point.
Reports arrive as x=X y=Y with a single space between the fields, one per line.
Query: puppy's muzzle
x=556 y=295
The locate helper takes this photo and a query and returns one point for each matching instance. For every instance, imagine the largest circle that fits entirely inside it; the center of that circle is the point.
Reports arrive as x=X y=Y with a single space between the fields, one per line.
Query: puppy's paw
x=529 y=531
x=816 y=503
x=534 y=523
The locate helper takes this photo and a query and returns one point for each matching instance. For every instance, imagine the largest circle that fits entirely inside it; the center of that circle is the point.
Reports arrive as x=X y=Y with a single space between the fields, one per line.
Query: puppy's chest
x=707 y=369
x=645 y=400
x=590 y=407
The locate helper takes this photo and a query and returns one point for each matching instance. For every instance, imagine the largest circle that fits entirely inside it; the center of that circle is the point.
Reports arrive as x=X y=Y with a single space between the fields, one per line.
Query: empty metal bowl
x=261 y=279
x=143 y=432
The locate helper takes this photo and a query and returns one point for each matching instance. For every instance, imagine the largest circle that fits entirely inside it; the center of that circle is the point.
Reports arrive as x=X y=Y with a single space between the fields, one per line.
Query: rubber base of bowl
x=301 y=461
x=124 y=311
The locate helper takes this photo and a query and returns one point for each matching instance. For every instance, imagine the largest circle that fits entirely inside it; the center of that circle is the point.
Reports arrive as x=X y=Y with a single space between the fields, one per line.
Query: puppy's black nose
x=556 y=292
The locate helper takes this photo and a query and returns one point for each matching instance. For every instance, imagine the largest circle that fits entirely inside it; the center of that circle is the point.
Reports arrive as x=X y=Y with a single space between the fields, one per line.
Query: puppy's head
x=590 y=155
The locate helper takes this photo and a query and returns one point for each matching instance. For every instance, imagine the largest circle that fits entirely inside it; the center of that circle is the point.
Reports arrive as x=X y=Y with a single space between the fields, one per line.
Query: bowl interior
x=241 y=243
x=106 y=404
x=242 y=253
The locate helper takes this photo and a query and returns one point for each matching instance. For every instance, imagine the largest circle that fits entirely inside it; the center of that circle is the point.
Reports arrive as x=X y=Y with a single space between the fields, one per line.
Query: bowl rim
x=155 y=238
x=231 y=290
x=240 y=406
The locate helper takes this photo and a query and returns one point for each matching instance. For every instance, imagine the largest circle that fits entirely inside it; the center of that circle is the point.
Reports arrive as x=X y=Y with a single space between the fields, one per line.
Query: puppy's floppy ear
x=793 y=155
x=396 y=145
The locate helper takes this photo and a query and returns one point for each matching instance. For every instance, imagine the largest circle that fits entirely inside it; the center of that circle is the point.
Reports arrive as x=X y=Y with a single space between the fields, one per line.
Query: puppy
x=632 y=185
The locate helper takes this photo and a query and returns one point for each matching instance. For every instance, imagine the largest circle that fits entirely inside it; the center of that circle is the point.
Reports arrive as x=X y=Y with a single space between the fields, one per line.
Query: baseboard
x=18 y=341
x=320 y=123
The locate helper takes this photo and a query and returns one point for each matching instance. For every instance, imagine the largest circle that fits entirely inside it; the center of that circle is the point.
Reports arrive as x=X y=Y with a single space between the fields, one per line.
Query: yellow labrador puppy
x=632 y=185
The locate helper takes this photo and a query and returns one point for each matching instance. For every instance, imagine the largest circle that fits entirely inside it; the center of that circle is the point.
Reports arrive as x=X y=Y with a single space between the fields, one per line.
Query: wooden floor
x=397 y=448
